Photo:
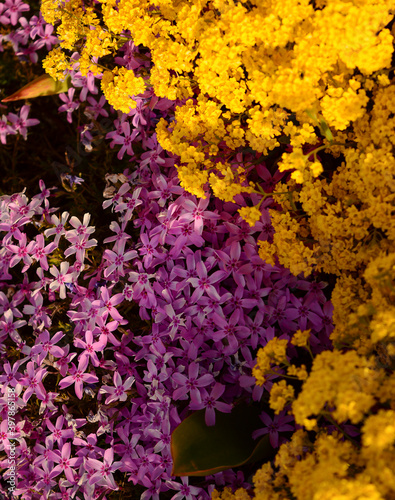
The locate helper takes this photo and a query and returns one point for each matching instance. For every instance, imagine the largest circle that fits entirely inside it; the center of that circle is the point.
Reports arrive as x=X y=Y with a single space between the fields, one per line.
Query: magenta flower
x=204 y=283
x=10 y=327
x=46 y=346
x=118 y=259
x=108 y=304
x=105 y=330
x=69 y=105
x=5 y=129
x=191 y=384
x=59 y=229
x=90 y=348
x=78 y=376
x=41 y=251
x=21 y=122
x=104 y=470
x=80 y=228
x=126 y=140
x=58 y=432
x=14 y=9
x=198 y=213
x=185 y=490
x=129 y=203
x=87 y=84
x=33 y=382
x=47 y=474
x=46 y=38
x=22 y=251
x=65 y=462
x=96 y=108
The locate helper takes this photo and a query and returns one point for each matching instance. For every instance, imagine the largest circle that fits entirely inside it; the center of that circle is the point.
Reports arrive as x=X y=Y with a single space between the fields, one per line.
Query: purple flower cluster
x=27 y=36
x=192 y=269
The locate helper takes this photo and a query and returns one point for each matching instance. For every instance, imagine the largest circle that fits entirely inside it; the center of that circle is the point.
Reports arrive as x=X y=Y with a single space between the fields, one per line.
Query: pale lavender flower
x=61 y=278
x=118 y=392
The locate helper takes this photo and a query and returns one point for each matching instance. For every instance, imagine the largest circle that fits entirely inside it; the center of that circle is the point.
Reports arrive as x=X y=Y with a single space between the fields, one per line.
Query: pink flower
x=78 y=376
x=65 y=462
x=33 y=381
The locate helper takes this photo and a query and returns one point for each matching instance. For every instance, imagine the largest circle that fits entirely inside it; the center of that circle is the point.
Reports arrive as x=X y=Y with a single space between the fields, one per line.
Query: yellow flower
x=280 y=395
x=378 y=431
x=250 y=214
x=301 y=339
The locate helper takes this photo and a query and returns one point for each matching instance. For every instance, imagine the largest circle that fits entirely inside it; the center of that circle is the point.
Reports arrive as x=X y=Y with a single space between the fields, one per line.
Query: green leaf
x=41 y=86
x=200 y=450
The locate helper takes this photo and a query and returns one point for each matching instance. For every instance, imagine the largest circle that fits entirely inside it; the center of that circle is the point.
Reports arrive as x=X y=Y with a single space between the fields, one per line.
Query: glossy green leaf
x=41 y=86
x=200 y=450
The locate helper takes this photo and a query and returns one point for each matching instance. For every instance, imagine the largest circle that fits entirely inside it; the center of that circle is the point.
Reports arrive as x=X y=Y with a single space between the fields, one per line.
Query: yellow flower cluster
x=261 y=71
x=119 y=86
x=331 y=468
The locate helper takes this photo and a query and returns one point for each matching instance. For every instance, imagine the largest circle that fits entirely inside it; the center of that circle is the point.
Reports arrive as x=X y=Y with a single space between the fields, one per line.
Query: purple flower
x=47 y=346
x=46 y=38
x=47 y=474
x=5 y=129
x=198 y=213
x=58 y=432
x=191 y=383
x=305 y=315
x=96 y=108
x=279 y=423
x=117 y=393
x=90 y=348
x=59 y=229
x=118 y=259
x=22 y=251
x=41 y=251
x=72 y=179
x=204 y=283
x=87 y=83
x=129 y=203
x=210 y=403
x=126 y=140
x=185 y=490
